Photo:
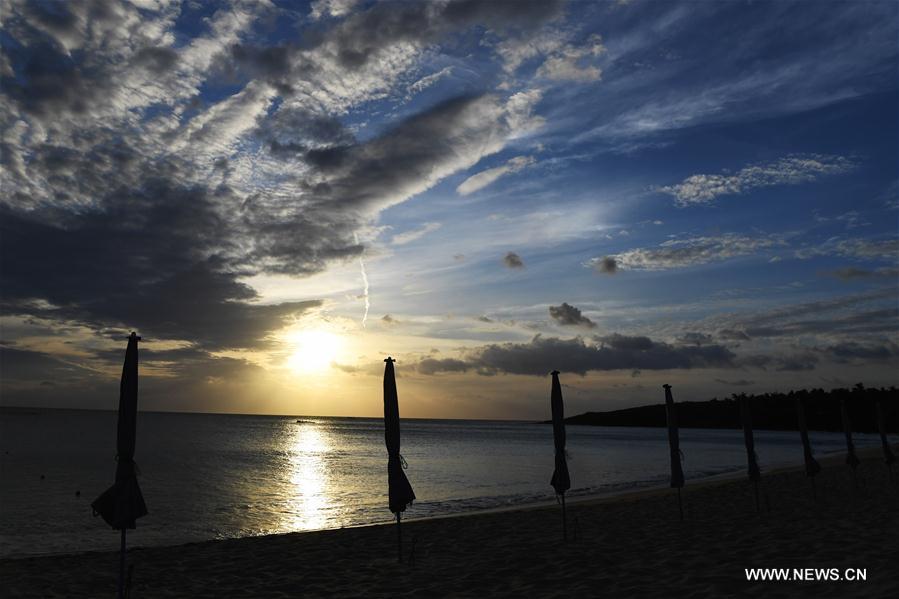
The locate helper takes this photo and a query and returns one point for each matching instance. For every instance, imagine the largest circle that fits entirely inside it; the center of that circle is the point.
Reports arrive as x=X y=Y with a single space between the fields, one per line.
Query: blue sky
x=701 y=193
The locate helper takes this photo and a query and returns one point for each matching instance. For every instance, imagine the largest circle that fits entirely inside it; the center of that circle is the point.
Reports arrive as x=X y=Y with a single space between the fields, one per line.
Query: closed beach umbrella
x=560 y=481
x=123 y=503
x=888 y=456
x=752 y=460
x=811 y=464
x=851 y=458
x=677 y=472
x=399 y=490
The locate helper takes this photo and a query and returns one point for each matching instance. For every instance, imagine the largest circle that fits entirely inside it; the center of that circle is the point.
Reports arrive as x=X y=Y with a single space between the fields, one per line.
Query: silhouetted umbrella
x=753 y=466
x=851 y=458
x=561 y=481
x=123 y=503
x=812 y=468
x=399 y=490
x=677 y=472
x=888 y=456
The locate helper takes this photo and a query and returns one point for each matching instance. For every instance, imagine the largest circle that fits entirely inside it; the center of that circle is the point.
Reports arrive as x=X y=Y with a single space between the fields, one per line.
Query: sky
x=278 y=195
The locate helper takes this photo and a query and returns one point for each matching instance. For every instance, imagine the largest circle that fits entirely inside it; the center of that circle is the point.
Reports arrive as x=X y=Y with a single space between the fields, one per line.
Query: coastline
x=627 y=544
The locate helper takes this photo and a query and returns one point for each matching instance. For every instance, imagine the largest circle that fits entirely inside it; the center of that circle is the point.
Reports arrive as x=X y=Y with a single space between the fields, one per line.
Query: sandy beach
x=626 y=546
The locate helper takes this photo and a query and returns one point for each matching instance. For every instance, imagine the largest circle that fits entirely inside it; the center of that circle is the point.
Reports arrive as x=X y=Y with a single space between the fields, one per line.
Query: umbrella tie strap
x=682 y=457
x=403 y=462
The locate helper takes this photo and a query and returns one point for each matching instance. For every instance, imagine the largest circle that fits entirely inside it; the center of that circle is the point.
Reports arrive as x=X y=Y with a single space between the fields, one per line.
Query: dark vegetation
x=772 y=411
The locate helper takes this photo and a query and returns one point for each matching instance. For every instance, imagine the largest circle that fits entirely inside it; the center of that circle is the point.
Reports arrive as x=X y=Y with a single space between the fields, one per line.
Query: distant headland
x=772 y=411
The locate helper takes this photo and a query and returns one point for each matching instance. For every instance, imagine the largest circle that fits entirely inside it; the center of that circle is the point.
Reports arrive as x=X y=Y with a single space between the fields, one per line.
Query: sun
x=313 y=350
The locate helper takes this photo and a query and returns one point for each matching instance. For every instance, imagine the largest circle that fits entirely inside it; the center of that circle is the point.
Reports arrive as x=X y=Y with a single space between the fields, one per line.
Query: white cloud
x=484 y=178
x=791 y=170
x=427 y=81
x=333 y=8
x=682 y=253
x=569 y=62
x=861 y=249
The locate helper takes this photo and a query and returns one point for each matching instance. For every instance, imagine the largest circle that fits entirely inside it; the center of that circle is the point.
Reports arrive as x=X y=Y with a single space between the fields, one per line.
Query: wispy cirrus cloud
x=790 y=170
x=482 y=179
x=413 y=234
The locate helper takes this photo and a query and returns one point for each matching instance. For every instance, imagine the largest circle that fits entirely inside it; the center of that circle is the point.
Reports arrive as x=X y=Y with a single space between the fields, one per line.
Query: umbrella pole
x=564 y=520
x=121 y=592
x=680 y=505
x=399 y=538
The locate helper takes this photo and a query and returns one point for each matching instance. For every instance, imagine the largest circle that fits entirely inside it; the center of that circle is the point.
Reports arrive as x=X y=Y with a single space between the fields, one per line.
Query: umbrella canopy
x=123 y=503
x=851 y=458
x=677 y=472
x=561 y=481
x=811 y=464
x=746 y=417
x=888 y=456
x=399 y=489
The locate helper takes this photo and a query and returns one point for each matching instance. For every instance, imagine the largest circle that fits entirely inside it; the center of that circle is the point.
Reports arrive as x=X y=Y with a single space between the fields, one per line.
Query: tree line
x=771 y=411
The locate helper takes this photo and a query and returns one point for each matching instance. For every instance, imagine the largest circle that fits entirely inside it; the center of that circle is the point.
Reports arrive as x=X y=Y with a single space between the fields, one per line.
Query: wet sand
x=631 y=545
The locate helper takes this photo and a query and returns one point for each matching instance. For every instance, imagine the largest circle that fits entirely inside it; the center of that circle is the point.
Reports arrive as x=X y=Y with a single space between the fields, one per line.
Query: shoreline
x=828 y=459
x=626 y=545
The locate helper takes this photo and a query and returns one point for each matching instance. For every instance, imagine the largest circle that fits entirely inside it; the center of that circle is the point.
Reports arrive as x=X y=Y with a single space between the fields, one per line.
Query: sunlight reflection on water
x=308 y=503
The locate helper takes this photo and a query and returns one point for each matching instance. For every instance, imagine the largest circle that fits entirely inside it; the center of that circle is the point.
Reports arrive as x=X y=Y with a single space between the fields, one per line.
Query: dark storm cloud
x=126 y=201
x=145 y=262
x=543 y=354
x=513 y=260
x=568 y=315
x=352 y=182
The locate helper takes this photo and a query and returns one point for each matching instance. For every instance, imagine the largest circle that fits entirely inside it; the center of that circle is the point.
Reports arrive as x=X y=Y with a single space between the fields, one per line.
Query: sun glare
x=313 y=351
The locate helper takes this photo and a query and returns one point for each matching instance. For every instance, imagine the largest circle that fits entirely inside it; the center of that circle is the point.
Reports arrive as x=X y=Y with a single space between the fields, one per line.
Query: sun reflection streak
x=308 y=499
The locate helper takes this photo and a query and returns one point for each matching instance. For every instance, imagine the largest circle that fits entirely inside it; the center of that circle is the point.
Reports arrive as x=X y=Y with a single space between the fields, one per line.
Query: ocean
x=212 y=476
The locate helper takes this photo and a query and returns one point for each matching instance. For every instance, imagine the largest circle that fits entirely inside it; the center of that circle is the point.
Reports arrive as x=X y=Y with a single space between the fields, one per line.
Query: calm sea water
x=216 y=476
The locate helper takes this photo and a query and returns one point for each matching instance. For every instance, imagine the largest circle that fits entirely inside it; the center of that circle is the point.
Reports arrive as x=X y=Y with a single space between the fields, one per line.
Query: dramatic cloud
x=485 y=178
x=513 y=260
x=446 y=365
x=791 y=170
x=617 y=352
x=682 y=253
x=568 y=315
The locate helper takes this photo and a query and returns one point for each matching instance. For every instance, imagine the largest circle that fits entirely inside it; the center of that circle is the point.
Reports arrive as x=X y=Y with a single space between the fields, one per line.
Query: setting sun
x=313 y=351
